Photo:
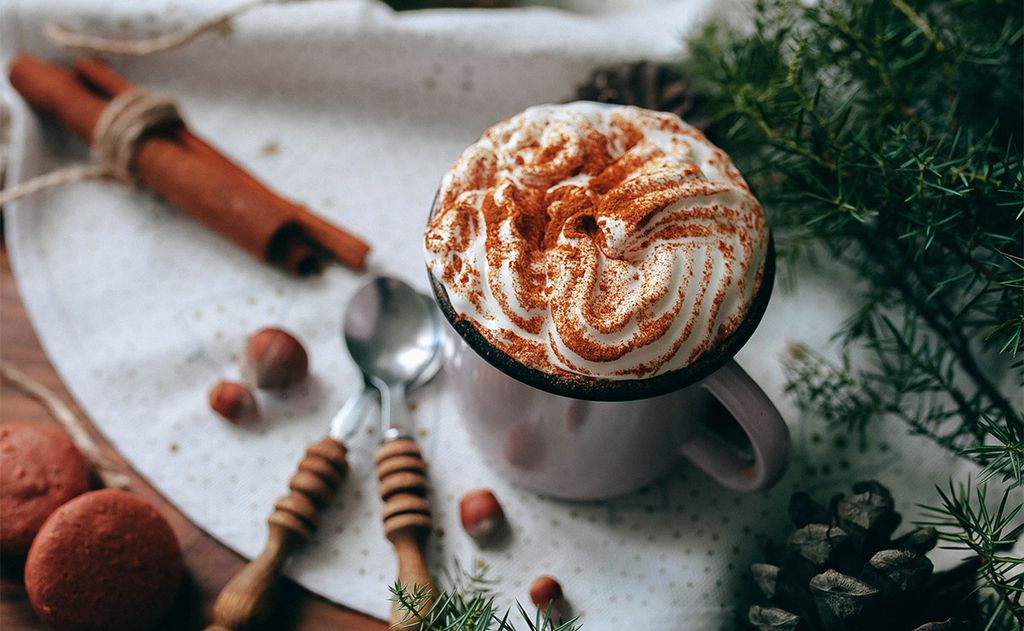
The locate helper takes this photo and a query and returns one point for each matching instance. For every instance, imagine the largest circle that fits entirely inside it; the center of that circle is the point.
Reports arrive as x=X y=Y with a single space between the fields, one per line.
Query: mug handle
x=757 y=415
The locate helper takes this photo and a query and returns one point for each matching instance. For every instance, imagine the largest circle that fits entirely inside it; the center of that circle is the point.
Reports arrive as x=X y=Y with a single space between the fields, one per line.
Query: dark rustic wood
x=209 y=563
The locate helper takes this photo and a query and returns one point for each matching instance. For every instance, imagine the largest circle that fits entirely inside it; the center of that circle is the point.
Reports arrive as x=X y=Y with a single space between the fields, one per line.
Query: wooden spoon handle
x=407 y=522
x=243 y=601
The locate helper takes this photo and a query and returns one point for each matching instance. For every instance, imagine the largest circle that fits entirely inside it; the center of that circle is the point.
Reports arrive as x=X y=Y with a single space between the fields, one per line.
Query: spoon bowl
x=392 y=333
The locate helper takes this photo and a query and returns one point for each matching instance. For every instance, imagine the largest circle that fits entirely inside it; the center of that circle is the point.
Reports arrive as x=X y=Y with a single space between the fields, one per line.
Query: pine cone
x=841 y=569
x=644 y=84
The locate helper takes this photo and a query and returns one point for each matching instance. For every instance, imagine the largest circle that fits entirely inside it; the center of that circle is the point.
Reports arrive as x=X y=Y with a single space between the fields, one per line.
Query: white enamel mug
x=607 y=438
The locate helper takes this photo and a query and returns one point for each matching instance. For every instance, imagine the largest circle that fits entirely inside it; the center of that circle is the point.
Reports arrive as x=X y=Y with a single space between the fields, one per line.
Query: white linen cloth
x=357 y=112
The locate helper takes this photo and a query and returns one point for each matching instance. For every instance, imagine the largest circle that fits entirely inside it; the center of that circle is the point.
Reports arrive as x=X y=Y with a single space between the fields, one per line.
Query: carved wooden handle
x=403 y=487
x=243 y=601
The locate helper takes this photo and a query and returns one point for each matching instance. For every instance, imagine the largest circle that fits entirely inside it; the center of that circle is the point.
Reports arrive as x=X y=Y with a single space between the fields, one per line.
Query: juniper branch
x=889 y=136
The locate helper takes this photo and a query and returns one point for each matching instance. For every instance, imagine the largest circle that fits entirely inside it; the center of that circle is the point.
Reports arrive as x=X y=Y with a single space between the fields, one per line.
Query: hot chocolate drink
x=600 y=266
x=598 y=242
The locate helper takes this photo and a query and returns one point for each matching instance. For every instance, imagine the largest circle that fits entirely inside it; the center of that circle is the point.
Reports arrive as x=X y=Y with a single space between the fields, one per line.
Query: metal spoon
x=243 y=601
x=394 y=336
x=349 y=417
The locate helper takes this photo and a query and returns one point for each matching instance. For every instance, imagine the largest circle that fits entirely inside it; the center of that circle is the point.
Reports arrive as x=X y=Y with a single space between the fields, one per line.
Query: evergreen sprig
x=1003 y=455
x=887 y=134
x=965 y=521
x=467 y=604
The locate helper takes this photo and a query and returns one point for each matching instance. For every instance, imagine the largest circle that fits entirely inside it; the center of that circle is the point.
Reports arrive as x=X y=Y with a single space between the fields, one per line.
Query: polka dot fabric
x=357 y=112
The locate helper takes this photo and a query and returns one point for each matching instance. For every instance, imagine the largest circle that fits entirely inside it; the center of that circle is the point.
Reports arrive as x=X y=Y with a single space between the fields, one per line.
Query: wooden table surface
x=209 y=563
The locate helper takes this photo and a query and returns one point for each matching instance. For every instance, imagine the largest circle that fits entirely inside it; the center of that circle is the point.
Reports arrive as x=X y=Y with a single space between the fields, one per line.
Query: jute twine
x=109 y=471
x=126 y=120
x=130 y=116
x=69 y=38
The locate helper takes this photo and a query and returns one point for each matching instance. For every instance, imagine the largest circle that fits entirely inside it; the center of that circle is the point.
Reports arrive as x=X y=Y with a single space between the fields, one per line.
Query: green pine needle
x=467 y=604
x=887 y=136
x=965 y=521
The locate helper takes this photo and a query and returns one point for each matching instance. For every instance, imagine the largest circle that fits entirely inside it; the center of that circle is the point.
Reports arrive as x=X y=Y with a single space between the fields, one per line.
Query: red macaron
x=41 y=469
x=105 y=560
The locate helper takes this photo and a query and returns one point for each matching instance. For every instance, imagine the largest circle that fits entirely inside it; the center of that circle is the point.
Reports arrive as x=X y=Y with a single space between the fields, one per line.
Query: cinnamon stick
x=189 y=173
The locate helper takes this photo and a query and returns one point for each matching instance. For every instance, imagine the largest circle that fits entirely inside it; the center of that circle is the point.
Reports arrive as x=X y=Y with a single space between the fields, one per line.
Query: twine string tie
x=121 y=127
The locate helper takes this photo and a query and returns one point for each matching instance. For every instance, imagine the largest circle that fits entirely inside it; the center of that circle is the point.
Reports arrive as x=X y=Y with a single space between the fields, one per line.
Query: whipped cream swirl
x=598 y=241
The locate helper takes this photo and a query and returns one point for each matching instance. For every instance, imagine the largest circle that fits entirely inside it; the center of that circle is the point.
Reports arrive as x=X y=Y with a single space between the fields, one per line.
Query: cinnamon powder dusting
x=592 y=241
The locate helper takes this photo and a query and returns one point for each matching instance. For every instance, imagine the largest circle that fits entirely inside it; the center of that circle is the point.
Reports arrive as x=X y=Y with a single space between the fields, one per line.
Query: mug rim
x=599 y=389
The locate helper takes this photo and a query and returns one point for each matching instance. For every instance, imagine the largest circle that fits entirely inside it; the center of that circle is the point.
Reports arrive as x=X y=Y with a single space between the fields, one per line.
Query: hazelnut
x=545 y=592
x=481 y=514
x=233 y=401
x=273 y=358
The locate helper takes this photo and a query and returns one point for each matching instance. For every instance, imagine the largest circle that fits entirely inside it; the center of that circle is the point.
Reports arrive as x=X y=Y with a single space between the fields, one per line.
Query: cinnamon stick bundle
x=189 y=173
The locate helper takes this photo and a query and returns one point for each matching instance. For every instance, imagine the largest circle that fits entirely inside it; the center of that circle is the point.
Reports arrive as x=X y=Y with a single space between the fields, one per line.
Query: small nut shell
x=481 y=514
x=274 y=359
x=545 y=592
x=233 y=401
